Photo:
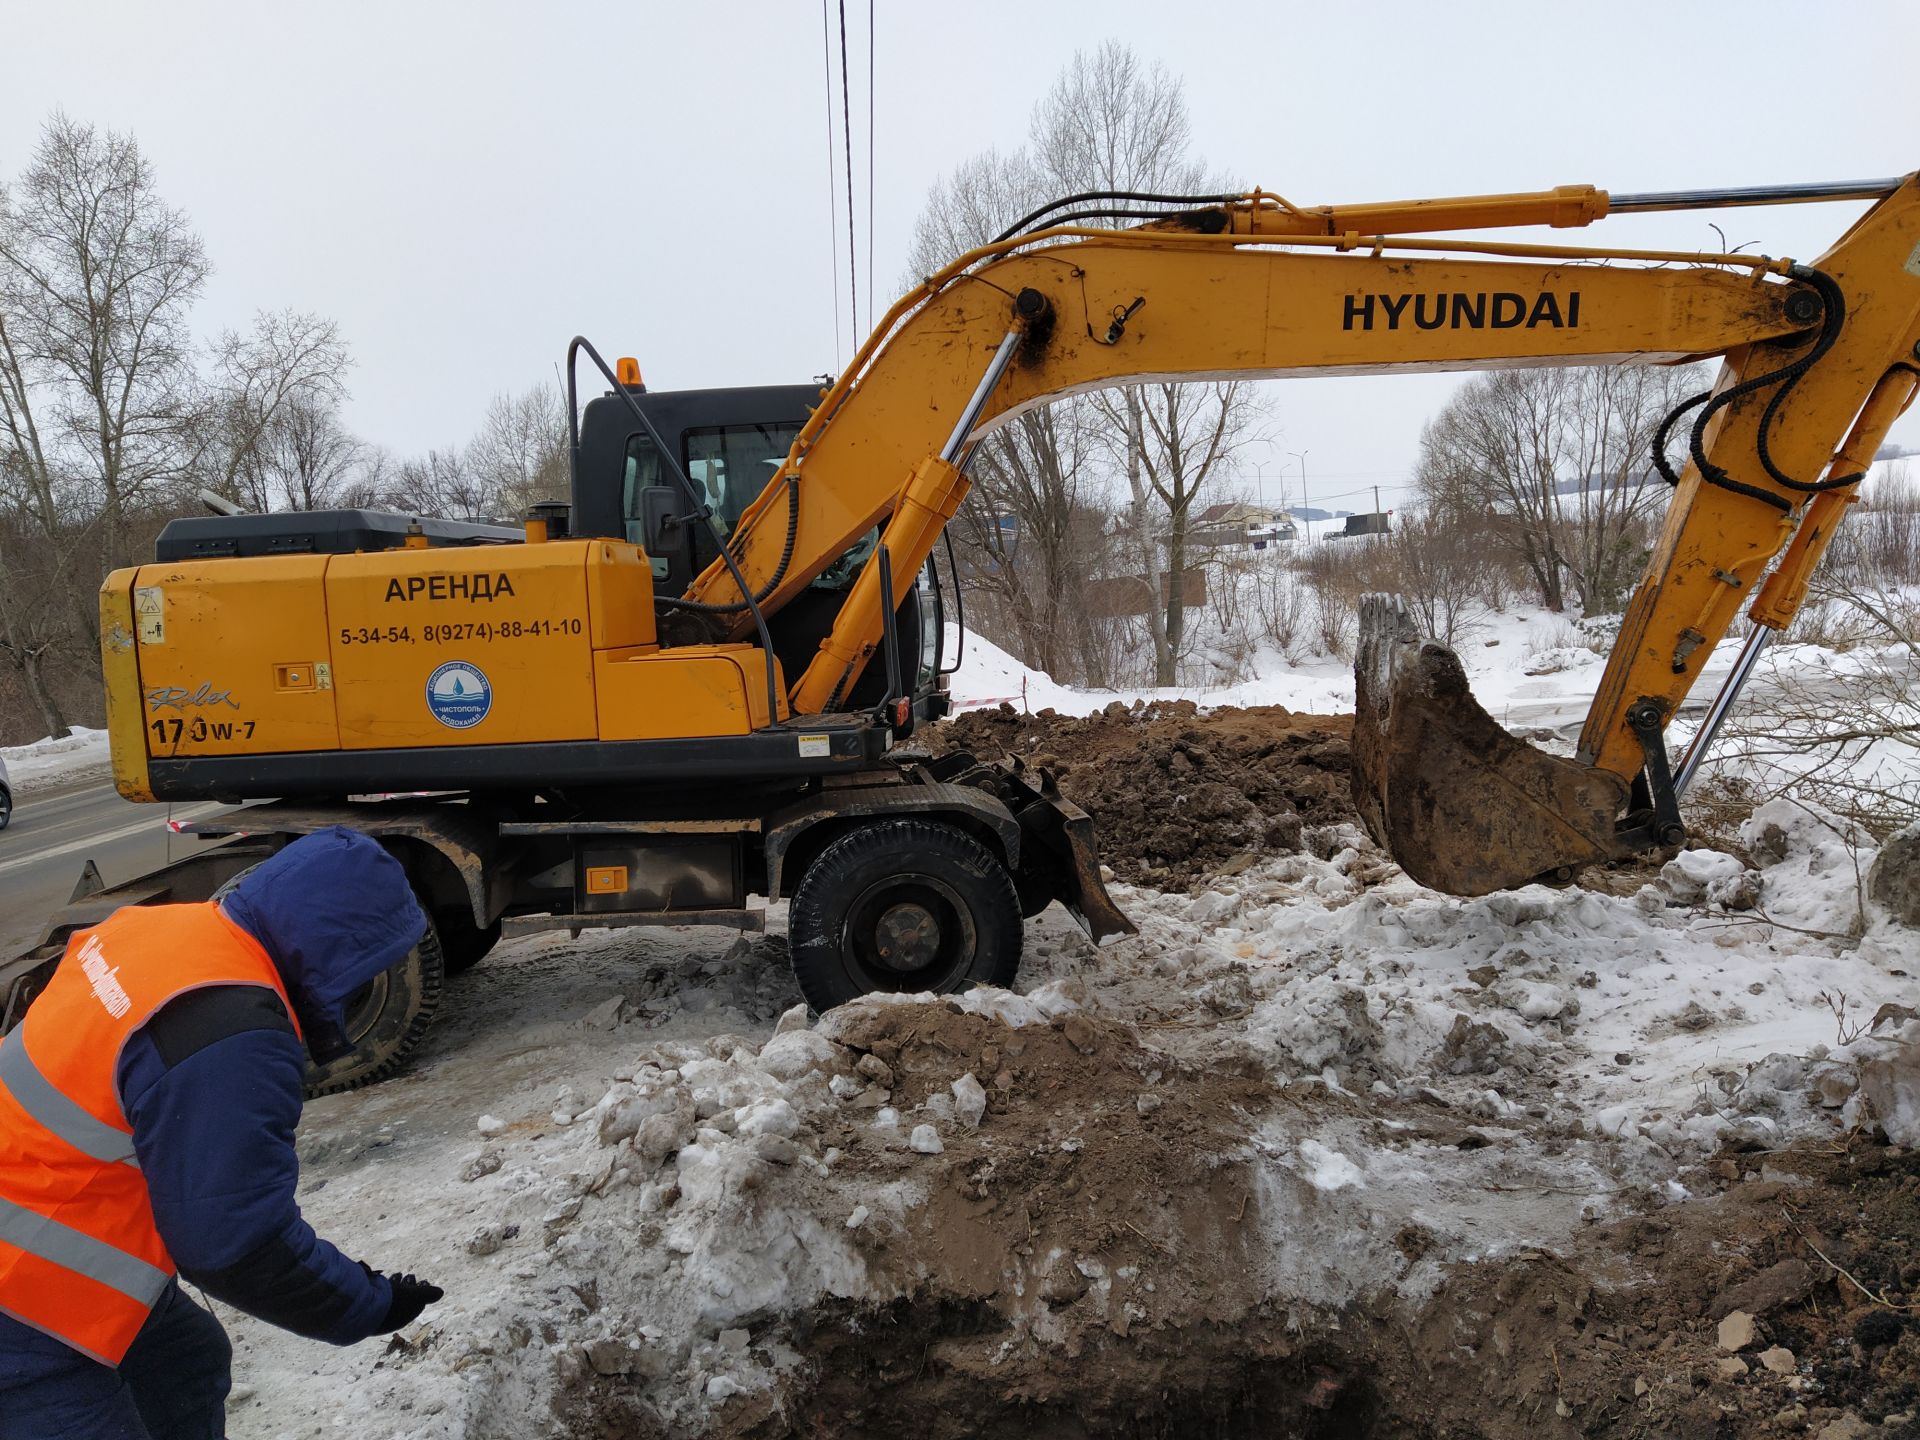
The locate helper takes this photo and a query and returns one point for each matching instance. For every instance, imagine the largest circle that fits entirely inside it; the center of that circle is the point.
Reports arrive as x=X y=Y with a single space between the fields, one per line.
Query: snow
x=619 y=1155
x=1527 y=665
x=1327 y=1169
x=969 y=1100
x=926 y=1140
x=48 y=761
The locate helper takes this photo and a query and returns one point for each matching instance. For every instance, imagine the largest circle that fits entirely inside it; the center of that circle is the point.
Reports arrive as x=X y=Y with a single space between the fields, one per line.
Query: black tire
x=902 y=905
x=386 y=1019
x=6 y=806
x=463 y=944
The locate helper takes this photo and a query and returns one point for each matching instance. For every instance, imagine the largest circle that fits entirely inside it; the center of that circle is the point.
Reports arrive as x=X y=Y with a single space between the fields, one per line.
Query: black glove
x=410 y=1297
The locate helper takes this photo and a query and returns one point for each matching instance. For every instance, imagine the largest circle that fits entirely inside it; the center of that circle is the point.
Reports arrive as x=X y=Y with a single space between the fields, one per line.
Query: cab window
x=733 y=463
x=728 y=465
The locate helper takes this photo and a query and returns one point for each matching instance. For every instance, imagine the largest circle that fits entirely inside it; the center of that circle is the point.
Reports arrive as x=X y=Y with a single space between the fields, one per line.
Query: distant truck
x=1374 y=523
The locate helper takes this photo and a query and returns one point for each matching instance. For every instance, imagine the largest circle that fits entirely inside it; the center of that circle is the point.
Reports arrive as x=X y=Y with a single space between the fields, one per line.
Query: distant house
x=1236 y=525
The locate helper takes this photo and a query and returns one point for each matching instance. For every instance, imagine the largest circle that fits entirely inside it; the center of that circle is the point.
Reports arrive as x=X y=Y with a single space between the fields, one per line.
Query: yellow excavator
x=679 y=697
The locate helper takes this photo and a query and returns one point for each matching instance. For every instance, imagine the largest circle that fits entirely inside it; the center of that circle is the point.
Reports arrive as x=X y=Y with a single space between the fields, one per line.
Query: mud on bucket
x=1457 y=801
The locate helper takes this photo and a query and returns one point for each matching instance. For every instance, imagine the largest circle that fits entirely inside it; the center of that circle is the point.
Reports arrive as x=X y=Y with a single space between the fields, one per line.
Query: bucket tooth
x=1457 y=801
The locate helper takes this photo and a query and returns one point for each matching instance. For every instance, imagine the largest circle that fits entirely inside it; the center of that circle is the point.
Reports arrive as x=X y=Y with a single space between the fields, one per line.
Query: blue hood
x=333 y=909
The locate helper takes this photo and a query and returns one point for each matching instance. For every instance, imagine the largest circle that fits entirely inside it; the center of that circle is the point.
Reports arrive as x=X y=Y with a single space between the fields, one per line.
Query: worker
x=148 y=1101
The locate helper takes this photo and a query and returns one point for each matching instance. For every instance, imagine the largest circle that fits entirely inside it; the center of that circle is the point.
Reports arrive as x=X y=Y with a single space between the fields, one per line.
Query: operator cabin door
x=729 y=464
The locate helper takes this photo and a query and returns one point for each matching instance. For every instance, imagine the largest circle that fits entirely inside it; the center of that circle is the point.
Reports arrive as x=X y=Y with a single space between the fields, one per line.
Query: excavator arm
x=1255 y=287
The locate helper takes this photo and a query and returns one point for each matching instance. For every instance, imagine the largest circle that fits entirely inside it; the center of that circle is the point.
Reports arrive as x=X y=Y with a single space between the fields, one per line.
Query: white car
x=6 y=797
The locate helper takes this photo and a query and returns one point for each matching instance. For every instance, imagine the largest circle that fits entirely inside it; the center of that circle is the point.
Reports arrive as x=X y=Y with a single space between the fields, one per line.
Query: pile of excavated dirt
x=1109 y=1251
x=1178 y=795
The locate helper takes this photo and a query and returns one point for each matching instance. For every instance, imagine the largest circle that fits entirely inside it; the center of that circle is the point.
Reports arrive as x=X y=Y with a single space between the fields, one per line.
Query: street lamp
x=1305 y=518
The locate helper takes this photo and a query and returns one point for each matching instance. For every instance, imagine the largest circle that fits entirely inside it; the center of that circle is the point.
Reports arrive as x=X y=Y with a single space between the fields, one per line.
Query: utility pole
x=1376 y=507
x=1305 y=518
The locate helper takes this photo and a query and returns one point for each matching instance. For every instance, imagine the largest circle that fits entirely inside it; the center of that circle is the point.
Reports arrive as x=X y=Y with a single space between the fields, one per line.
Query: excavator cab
x=729 y=443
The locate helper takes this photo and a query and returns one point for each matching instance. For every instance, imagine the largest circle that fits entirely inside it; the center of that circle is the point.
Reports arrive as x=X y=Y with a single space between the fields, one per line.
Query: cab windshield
x=728 y=464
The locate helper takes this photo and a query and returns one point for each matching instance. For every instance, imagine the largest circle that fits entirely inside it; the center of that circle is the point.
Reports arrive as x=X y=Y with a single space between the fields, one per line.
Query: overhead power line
x=833 y=209
x=871 y=293
x=846 y=137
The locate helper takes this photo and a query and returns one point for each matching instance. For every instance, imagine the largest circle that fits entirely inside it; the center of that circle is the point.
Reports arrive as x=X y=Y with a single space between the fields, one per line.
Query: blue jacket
x=212 y=1087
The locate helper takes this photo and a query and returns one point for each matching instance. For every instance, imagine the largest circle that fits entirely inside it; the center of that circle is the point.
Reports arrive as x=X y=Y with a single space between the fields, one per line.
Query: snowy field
x=650 y=1183
x=1529 y=668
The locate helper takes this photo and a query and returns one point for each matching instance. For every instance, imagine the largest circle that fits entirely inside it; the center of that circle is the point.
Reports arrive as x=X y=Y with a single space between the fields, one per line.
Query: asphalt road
x=54 y=833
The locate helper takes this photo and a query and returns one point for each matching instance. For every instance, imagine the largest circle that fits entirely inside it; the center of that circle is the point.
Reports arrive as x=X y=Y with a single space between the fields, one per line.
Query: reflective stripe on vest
x=79 y=1252
x=35 y=1095
x=80 y=1255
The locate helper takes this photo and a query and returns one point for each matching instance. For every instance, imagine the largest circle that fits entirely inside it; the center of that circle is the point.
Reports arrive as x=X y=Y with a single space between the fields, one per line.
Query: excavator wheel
x=463 y=944
x=386 y=1019
x=903 y=906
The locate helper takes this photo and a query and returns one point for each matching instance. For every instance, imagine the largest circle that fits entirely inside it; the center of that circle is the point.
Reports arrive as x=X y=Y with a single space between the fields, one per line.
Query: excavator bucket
x=1457 y=801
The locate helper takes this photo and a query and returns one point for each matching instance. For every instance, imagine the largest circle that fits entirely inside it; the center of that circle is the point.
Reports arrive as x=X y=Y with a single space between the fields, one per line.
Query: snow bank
x=46 y=761
x=1687 y=1014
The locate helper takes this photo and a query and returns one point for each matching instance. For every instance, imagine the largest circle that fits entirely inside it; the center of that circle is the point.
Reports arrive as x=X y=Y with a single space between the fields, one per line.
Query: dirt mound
x=1094 y=1156
x=1094 y=1256
x=1177 y=795
x=1094 y=1259
x=1075 y=1175
x=1625 y=1336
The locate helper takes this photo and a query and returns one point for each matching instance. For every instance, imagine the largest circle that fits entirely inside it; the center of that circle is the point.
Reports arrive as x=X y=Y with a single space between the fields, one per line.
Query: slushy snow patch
x=1327 y=1169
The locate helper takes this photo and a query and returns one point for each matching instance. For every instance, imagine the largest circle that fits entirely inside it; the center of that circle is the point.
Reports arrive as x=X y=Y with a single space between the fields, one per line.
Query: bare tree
x=982 y=196
x=1556 y=465
x=1036 y=540
x=310 y=460
x=1614 y=413
x=1023 y=523
x=109 y=409
x=520 y=454
x=1495 y=451
x=273 y=396
x=1173 y=439
x=1109 y=122
x=44 y=527
x=1113 y=122
x=439 y=482
x=99 y=274
x=36 y=622
x=1436 y=566
x=1842 y=732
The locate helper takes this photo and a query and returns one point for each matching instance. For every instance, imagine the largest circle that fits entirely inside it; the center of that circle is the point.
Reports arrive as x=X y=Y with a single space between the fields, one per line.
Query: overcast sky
x=465 y=186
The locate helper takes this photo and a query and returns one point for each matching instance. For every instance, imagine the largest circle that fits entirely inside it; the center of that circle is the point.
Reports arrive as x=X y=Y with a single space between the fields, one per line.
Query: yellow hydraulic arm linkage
x=1254 y=286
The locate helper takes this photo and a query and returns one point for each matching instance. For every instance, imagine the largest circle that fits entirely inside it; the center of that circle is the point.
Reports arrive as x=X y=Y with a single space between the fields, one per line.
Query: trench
x=956 y=1371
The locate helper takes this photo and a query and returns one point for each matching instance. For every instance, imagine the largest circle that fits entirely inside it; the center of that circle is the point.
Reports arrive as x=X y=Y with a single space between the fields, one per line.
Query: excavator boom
x=1255 y=286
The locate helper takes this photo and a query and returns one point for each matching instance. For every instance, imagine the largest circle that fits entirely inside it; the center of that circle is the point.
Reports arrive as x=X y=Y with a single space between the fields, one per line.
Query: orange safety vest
x=80 y=1257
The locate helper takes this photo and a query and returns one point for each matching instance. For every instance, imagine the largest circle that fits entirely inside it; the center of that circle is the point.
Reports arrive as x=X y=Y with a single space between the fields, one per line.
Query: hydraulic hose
x=1832 y=320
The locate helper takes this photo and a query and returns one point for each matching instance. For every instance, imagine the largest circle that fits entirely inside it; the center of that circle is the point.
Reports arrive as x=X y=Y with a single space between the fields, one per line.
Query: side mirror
x=663 y=534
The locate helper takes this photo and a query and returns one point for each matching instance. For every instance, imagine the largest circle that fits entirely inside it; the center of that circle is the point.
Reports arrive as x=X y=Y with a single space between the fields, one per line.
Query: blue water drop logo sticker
x=459 y=695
